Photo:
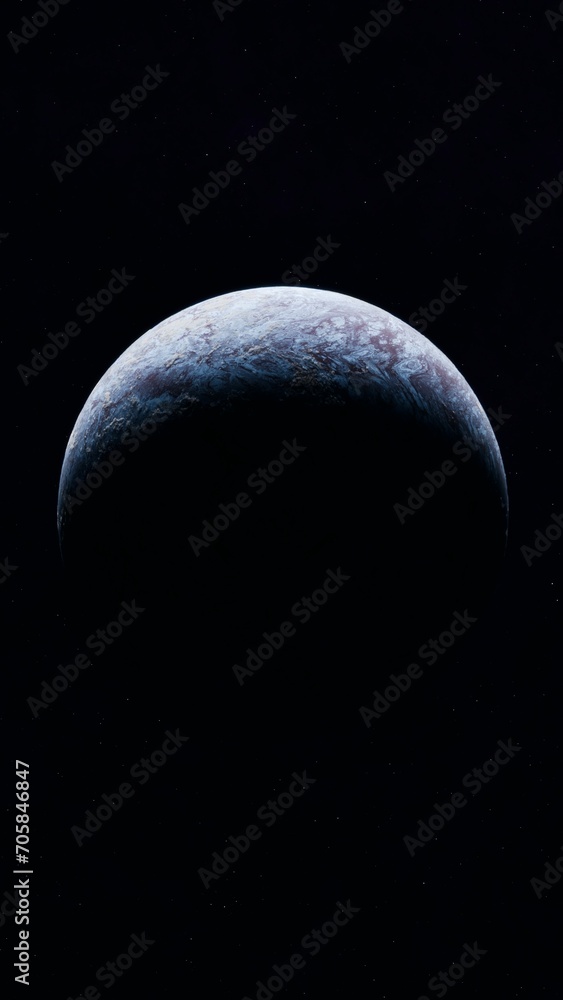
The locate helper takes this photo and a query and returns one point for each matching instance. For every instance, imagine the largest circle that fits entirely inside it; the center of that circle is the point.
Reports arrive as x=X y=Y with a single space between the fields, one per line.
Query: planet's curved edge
x=209 y=320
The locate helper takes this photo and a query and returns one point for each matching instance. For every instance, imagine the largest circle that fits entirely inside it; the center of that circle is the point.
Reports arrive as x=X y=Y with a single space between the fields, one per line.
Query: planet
x=246 y=448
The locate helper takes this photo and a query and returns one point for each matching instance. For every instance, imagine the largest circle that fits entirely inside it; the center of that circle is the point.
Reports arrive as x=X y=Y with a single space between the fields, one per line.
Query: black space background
x=323 y=175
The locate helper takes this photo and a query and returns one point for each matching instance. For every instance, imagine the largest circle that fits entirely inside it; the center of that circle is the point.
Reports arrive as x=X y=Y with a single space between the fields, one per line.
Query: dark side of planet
x=265 y=445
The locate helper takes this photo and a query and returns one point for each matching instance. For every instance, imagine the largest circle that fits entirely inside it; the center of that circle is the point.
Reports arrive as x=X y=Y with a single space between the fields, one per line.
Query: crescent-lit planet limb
x=221 y=389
